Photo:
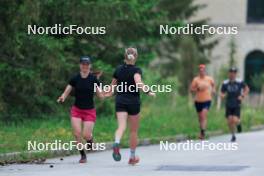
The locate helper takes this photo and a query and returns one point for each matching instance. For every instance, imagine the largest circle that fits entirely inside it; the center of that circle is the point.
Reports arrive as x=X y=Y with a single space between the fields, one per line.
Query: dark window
x=254 y=70
x=255 y=13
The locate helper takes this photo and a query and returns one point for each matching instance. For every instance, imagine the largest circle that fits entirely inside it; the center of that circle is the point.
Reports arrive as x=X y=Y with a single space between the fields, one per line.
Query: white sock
x=132 y=153
x=117 y=140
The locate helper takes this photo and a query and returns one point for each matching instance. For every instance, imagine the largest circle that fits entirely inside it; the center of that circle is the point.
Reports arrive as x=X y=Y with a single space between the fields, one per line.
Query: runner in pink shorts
x=87 y=115
x=83 y=110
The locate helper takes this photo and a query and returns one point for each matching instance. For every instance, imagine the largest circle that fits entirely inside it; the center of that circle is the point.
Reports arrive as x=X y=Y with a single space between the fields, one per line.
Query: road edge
x=21 y=157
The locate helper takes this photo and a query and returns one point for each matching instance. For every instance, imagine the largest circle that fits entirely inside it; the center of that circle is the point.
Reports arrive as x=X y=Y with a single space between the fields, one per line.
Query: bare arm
x=65 y=94
x=110 y=92
x=193 y=87
x=100 y=93
x=138 y=81
x=223 y=90
x=222 y=95
x=213 y=88
x=244 y=93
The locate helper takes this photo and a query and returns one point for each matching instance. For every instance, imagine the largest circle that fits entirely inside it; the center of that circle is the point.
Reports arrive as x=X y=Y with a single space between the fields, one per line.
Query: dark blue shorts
x=202 y=105
x=233 y=111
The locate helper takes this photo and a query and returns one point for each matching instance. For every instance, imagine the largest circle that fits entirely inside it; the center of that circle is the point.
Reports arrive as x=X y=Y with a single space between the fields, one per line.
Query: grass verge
x=167 y=115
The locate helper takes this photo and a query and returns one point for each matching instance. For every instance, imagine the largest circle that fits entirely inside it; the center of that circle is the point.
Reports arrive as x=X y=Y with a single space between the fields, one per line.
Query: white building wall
x=250 y=37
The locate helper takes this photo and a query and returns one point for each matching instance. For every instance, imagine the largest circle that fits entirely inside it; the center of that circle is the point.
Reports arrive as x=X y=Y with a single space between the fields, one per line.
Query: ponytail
x=130 y=57
x=131 y=54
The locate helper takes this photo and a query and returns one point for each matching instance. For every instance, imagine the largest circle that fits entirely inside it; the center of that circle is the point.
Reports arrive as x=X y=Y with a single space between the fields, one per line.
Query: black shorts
x=234 y=111
x=131 y=109
x=202 y=105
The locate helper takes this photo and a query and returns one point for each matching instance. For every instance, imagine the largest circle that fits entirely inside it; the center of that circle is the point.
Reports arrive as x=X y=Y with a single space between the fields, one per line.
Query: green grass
x=166 y=115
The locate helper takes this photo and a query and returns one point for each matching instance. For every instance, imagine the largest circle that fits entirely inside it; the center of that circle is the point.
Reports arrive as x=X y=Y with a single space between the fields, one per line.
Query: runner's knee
x=236 y=120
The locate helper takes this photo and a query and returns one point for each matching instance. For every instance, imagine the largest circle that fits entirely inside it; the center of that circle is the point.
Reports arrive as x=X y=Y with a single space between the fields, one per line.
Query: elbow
x=191 y=90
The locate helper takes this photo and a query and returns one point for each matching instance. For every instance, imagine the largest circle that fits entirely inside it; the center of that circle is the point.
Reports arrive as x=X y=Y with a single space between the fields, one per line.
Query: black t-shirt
x=84 y=90
x=234 y=90
x=124 y=74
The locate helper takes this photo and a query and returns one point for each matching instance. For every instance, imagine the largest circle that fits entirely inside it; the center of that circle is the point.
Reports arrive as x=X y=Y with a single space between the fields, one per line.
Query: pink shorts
x=84 y=114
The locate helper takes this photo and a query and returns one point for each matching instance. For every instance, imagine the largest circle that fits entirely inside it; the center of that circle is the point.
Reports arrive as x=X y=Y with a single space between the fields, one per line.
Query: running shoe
x=83 y=159
x=133 y=161
x=116 y=152
x=233 y=139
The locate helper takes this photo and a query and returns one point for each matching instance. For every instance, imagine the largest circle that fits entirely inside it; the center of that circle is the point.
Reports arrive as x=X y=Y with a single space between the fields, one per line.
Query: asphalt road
x=247 y=160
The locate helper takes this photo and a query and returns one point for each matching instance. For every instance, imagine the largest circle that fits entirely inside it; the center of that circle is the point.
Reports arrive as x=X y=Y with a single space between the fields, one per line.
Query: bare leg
x=203 y=117
x=88 y=130
x=122 y=123
x=88 y=133
x=203 y=122
x=77 y=128
x=232 y=123
x=134 y=124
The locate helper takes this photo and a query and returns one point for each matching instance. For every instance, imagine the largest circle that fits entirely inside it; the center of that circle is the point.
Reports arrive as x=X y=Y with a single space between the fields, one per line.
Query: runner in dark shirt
x=234 y=90
x=84 y=90
x=83 y=110
x=126 y=78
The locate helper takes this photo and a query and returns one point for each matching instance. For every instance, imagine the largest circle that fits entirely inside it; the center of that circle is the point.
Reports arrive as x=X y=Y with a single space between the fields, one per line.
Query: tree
x=232 y=53
x=35 y=68
x=179 y=55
